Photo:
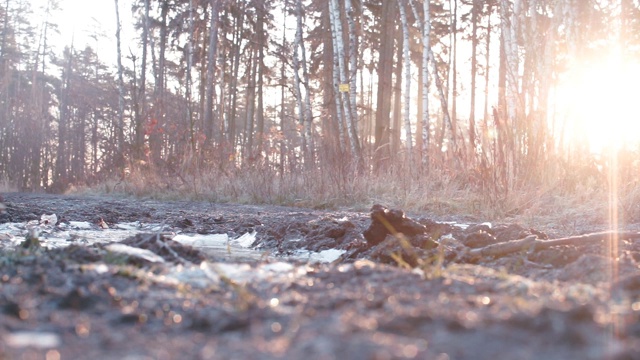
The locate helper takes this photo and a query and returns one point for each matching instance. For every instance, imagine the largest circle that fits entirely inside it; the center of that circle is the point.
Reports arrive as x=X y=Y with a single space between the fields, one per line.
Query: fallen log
x=532 y=242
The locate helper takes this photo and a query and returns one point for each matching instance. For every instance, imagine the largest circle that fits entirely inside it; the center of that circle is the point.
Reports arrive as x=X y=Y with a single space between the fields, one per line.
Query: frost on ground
x=115 y=278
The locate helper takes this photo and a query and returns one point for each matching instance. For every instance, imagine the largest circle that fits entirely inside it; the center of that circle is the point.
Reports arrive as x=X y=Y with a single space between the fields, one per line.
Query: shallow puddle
x=216 y=247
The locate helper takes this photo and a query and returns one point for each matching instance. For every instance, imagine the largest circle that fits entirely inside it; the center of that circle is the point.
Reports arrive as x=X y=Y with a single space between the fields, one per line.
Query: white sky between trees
x=80 y=20
x=587 y=101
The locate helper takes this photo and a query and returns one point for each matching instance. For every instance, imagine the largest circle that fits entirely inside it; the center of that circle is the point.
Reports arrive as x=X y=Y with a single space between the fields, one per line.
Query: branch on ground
x=533 y=243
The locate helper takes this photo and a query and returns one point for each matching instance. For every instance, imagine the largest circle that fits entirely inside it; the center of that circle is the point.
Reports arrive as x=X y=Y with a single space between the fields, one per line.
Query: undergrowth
x=559 y=192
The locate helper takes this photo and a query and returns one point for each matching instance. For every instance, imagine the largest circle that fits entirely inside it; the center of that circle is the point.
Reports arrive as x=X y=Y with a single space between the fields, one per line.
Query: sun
x=599 y=103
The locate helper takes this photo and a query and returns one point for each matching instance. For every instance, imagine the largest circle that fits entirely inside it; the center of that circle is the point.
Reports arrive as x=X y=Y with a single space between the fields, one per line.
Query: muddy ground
x=415 y=296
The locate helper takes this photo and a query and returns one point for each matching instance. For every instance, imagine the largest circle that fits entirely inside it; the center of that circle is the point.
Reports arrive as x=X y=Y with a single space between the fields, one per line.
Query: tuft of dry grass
x=567 y=201
x=6 y=186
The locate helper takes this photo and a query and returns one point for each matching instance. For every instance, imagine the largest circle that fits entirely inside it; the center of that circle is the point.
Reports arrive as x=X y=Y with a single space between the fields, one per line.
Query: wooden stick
x=532 y=242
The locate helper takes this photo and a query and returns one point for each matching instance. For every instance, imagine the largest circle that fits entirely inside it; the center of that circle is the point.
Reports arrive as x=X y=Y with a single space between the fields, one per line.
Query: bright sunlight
x=599 y=104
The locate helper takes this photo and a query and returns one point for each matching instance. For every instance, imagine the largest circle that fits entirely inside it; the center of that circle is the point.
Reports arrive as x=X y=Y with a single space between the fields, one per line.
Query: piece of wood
x=531 y=242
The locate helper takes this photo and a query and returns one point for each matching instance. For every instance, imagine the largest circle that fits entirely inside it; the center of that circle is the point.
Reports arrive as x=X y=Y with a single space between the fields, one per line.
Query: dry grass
x=6 y=186
x=567 y=203
x=564 y=195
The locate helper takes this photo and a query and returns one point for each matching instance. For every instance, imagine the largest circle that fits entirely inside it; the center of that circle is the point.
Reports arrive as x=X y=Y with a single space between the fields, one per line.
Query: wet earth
x=292 y=283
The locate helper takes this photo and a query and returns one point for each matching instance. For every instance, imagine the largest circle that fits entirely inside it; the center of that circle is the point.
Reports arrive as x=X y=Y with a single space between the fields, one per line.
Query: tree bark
x=395 y=130
x=385 y=87
x=155 y=135
x=333 y=136
x=233 y=84
x=336 y=80
x=422 y=123
x=533 y=243
x=443 y=103
x=119 y=160
x=297 y=44
x=60 y=175
x=209 y=121
x=351 y=130
x=407 y=81
x=308 y=114
x=353 y=64
x=475 y=10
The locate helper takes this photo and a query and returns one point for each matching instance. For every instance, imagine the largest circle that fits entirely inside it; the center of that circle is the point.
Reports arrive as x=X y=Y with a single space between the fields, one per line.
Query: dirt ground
x=415 y=295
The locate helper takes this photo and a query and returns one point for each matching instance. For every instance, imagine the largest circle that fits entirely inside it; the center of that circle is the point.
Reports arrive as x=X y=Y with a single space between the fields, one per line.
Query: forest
x=325 y=102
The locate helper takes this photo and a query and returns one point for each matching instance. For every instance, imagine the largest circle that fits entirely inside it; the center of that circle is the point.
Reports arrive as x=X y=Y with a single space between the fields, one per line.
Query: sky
x=79 y=20
x=595 y=99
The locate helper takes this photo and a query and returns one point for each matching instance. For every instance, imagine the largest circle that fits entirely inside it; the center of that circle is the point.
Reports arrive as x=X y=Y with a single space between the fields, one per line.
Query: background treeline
x=248 y=99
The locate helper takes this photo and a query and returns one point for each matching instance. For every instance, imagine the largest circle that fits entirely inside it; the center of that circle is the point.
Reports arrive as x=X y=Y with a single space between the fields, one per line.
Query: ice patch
x=235 y=272
x=214 y=273
x=81 y=225
x=203 y=241
x=136 y=252
x=48 y=219
x=324 y=256
x=128 y=226
x=218 y=246
x=36 y=339
x=465 y=226
x=246 y=240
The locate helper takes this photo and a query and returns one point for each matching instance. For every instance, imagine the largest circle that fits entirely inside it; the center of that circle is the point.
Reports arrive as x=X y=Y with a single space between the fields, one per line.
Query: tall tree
x=61 y=173
x=300 y=66
x=475 y=18
x=121 y=94
x=425 y=29
x=346 y=107
x=212 y=53
x=407 y=81
x=385 y=71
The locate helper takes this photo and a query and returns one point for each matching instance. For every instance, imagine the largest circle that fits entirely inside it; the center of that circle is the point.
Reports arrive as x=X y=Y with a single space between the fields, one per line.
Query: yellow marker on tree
x=343 y=87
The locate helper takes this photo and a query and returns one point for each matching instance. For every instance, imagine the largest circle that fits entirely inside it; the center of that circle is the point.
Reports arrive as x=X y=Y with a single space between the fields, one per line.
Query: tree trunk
x=508 y=18
x=155 y=136
x=209 y=122
x=396 y=114
x=509 y=26
x=353 y=64
x=443 y=103
x=297 y=45
x=260 y=100
x=251 y=103
x=422 y=127
x=308 y=115
x=283 y=72
x=188 y=80
x=351 y=130
x=60 y=175
x=407 y=82
x=487 y=65
x=119 y=160
x=141 y=104
x=233 y=85
x=476 y=5
x=333 y=136
x=454 y=70
x=385 y=87
x=336 y=80
x=419 y=111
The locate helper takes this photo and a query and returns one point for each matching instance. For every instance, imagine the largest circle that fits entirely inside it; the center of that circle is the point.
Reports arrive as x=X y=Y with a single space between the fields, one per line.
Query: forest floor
x=434 y=293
